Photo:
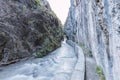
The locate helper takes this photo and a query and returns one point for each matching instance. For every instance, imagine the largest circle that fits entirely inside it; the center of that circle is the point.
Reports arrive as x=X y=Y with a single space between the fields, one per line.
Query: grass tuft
x=100 y=72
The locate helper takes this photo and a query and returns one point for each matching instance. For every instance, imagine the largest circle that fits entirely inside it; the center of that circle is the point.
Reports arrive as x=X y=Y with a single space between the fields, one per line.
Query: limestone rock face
x=96 y=25
x=27 y=26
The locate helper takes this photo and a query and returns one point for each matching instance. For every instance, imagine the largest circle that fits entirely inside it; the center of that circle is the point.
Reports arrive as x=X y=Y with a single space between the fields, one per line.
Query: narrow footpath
x=59 y=65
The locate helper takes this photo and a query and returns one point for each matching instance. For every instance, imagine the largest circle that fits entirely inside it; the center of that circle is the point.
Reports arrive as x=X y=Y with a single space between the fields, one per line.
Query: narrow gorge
x=34 y=45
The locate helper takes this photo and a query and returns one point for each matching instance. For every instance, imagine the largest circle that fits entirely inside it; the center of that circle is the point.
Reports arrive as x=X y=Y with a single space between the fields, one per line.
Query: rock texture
x=79 y=70
x=59 y=65
x=27 y=26
x=95 y=24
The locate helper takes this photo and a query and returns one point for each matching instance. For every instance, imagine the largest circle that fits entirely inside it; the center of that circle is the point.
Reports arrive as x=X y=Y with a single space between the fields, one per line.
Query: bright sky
x=61 y=8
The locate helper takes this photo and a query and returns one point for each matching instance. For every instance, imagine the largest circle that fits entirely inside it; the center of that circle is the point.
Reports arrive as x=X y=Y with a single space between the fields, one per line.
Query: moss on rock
x=100 y=72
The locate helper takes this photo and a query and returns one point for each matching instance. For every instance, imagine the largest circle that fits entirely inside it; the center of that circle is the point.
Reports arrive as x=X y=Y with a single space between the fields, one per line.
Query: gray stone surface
x=62 y=64
x=95 y=24
x=91 y=73
x=79 y=69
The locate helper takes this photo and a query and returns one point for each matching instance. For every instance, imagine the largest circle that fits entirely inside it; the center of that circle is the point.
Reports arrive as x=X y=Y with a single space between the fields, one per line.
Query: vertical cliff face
x=95 y=24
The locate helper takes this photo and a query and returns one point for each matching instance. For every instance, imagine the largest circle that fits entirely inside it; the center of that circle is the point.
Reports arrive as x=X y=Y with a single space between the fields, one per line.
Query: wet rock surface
x=26 y=27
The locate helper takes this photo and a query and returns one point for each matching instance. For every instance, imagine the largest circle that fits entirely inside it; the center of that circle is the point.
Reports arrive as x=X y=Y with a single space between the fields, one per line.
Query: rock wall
x=26 y=27
x=96 y=25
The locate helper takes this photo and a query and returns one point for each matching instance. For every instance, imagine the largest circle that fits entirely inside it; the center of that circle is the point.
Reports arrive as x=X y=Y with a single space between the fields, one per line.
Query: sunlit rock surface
x=27 y=27
x=96 y=25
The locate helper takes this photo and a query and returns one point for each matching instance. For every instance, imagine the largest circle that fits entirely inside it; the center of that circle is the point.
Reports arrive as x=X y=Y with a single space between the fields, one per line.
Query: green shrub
x=100 y=72
x=37 y=1
x=50 y=43
x=52 y=38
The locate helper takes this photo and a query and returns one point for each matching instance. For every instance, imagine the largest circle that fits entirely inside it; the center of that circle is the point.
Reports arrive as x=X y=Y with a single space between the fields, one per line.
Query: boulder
x=27 y=27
